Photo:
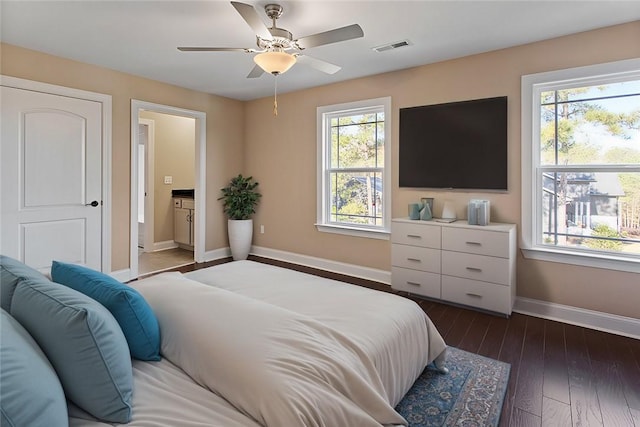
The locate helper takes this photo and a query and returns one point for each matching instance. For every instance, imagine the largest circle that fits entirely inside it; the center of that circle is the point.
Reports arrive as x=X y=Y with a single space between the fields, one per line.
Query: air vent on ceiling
x=390 y=46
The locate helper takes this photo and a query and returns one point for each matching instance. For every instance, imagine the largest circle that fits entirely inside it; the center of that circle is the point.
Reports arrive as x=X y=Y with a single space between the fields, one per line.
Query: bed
x=249 y=344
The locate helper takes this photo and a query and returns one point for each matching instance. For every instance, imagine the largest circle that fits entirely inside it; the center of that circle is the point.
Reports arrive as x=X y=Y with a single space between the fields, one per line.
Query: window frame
x=323 y=217
x=532 y=86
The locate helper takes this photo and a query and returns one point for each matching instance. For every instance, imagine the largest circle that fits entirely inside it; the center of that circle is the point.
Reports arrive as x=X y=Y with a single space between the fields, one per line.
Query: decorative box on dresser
x=464 y=264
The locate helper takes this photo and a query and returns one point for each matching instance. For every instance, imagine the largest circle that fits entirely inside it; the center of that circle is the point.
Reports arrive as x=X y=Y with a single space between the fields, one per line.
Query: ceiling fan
x=277 y=49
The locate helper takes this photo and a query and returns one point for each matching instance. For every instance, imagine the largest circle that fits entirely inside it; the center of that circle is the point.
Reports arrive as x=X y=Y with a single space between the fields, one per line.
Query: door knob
x=93 y=204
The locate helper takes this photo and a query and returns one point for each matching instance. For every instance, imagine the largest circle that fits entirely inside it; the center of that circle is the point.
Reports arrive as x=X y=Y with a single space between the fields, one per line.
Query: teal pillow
x=12 y=270
x=84 y=344
x=31 y=394
x=135 y=317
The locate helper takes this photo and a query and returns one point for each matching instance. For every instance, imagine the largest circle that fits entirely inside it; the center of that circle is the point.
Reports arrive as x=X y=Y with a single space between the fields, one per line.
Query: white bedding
x=165 y=396
x=393 y=331
x=279 y=367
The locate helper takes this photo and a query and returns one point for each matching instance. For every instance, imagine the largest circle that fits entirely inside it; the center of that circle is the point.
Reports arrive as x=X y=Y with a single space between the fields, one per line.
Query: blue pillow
x=137 y=320
x=31 y=394
x=12 y=270
x=84 y=344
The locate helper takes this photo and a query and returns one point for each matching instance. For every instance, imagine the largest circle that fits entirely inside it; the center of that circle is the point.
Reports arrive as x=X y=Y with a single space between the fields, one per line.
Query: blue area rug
x=471 y=394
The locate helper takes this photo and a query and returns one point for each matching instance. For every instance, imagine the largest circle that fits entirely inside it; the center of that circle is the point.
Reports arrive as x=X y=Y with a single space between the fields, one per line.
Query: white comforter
x=165 y=396
x=279 y=367
x=393 y=331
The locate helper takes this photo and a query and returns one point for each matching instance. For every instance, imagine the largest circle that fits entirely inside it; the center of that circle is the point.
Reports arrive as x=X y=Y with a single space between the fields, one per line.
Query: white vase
x=240 y=235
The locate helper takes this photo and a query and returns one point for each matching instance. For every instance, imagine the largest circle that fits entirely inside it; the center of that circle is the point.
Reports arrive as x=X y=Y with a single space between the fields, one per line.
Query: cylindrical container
x=479 y=212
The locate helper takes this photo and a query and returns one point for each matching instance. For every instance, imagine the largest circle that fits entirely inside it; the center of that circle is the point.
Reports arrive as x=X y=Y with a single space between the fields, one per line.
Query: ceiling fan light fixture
x=275 y=62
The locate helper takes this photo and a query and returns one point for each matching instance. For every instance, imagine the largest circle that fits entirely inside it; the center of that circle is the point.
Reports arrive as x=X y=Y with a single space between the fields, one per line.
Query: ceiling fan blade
x=318 y=64
x=252 y=18
x=215 y=49
x=332 y=36
x=256 y=72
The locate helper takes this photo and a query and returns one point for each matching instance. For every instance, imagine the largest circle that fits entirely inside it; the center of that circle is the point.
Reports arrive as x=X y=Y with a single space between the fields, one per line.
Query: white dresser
x=457 y=262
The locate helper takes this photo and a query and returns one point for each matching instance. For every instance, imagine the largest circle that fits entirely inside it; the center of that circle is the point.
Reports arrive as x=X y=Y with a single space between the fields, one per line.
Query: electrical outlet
x=168 y=179
x=261 y=229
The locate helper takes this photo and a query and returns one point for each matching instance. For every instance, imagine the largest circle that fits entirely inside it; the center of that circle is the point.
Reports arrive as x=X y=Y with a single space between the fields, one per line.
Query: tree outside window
x=354 y=174
x=589 y=163
x=357 y=162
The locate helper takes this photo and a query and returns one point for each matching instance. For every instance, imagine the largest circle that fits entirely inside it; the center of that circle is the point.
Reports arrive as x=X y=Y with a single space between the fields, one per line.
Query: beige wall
x=224 y=132
x=174 y=155
x=281 y=154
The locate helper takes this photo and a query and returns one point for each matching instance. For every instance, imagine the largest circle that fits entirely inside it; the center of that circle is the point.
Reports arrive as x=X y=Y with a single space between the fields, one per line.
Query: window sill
x=353 y=231
x=609 y=262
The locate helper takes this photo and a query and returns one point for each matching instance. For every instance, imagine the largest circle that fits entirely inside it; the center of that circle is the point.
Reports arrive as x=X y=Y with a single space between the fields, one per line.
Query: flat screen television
x=457 y=145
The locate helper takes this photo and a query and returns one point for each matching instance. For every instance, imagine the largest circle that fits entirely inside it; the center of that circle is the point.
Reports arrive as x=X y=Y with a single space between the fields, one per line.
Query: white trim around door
x=105 y=101
x=200 y=182
x=149 y=186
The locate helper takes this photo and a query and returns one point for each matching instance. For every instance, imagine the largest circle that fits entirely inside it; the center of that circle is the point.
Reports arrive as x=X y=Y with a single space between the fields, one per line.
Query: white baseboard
x=598 y=320
x=372 y=274
x=216 y=254
x=163 y=246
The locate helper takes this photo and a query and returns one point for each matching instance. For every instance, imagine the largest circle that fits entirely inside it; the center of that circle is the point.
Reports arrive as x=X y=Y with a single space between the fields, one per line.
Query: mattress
x=394 y=331
x=165 y=396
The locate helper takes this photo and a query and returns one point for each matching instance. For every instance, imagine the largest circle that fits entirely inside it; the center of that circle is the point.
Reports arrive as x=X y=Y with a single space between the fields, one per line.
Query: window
x=353 y=168
x=581 y=166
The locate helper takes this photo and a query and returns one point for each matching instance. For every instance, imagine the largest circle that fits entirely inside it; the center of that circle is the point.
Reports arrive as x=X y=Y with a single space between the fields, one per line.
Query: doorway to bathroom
x=168 y=145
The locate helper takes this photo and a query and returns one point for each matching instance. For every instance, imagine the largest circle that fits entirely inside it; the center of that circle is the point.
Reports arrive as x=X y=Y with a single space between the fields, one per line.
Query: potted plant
x=239 y=200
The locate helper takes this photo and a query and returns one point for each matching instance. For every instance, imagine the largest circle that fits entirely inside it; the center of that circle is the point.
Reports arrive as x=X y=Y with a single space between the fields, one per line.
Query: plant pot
x=240 y=235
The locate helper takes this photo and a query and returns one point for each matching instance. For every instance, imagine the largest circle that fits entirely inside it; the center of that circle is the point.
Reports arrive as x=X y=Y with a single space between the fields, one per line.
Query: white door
x=51 y=178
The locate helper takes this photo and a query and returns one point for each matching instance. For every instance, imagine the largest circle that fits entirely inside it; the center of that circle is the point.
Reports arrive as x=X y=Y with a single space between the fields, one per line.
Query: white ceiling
x=140 y=37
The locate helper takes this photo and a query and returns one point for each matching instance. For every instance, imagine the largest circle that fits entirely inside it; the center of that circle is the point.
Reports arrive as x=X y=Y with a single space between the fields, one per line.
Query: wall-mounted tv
x=457 y=145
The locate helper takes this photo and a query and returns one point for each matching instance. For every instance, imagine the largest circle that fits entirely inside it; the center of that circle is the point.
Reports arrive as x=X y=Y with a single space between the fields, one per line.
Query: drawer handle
x=413 y=283
x=474 y=243
x=414 y=259
x=474 y=295
x=414 y=236
x=476 y=269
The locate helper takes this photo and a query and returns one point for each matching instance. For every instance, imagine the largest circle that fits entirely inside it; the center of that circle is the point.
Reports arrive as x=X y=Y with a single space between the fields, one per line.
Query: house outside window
x=354 y=168
x=581 y=166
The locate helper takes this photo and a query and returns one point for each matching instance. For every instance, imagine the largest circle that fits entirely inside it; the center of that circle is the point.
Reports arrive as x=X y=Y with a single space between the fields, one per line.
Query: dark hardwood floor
x=561 y=375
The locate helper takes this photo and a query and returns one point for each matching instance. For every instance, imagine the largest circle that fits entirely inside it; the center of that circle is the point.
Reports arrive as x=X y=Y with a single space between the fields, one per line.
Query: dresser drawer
x=416 y=234
x=415 y=258
x=474 y=241
x=476 y=267
x=477 y=294
x=416 y=282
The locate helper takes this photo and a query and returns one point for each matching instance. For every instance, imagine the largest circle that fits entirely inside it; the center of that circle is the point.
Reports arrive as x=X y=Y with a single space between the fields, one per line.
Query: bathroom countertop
x=187 y=193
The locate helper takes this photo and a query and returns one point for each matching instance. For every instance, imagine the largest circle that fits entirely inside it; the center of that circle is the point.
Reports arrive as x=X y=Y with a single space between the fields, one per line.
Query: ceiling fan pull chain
x=275 y=97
